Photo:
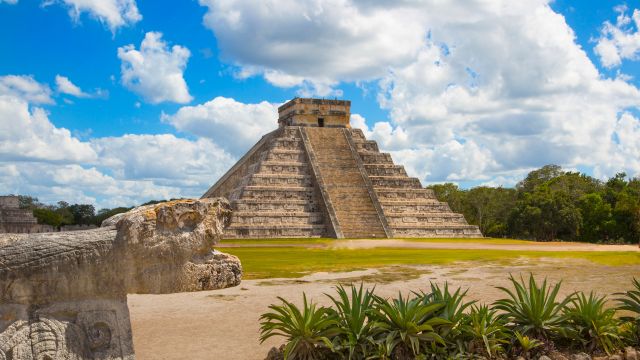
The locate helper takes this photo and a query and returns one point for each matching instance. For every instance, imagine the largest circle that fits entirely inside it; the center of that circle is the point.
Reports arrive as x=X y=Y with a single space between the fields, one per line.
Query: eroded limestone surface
x=63 y=295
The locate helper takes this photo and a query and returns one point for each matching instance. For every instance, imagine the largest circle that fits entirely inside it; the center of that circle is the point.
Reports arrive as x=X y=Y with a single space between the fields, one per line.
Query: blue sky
x=115 y=102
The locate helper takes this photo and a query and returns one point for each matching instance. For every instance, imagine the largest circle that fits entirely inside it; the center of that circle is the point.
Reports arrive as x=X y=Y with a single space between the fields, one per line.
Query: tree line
x=552 y=204
x=63 y=213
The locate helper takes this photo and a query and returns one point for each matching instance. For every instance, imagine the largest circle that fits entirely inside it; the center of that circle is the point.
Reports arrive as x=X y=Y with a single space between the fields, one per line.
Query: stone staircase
x=410 y=210
x=330 y=182
x=274 y=194
x=345 y=185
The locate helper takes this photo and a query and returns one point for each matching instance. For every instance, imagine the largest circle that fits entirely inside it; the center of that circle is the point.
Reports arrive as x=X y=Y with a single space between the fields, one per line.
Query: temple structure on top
x=314 y=176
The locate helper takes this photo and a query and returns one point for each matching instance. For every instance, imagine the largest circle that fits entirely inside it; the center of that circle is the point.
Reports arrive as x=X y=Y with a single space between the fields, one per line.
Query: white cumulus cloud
x=28 y=135
x=621 y=40
x=474 y=91
x=25 y=87
x=113 y=13
x=234 y=125
x=65 y=86
x=155 y=72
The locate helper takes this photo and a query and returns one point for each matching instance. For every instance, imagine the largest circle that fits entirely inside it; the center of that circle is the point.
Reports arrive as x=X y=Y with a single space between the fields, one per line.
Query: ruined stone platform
x=316 y=177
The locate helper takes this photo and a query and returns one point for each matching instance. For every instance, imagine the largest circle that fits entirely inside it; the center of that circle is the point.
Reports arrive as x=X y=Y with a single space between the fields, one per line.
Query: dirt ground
x=224 y=324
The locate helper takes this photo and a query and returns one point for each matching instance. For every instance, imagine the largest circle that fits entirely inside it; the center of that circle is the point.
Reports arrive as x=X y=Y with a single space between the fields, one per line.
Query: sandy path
x=479 y=245
x=540 y=246
x=224 y=324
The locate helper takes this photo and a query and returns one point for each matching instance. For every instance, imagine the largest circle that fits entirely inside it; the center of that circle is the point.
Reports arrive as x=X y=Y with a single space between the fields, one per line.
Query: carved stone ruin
x=64 y=295
x=315 y=176
x=13 y=219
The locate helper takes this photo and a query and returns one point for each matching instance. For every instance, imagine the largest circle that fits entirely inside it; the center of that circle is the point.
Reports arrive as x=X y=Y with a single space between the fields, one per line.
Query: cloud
x=25 y=87
x=475 y=91
x=322 y=42
x=164 y=158
x=234 y=125
x=49 y=162
x=65 y=86
x=10 y=2
x=621 y=40
x=155 y=72
x=112 y=13
x=28 y=135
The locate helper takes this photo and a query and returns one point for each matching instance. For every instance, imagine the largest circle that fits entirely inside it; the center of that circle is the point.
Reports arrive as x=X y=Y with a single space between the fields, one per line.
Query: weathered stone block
x=63 y=295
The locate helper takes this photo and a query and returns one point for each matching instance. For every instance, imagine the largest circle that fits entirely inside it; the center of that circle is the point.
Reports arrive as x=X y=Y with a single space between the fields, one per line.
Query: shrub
x=592 y=325
x=355 y=333
x=453 y=310
x=306 y=330
x=533 y=310
x=484 y=331
x=404 y=325
x=526 y=344
x=630 y=301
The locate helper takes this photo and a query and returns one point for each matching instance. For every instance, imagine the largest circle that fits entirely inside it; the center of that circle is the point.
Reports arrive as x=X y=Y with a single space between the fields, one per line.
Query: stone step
x=448 y=219
x=285 y=155
x=280 y=180
x=280 y=205
x=370 y=157
x=287 y=143
x=438 y=231
x=367 y=145
x=400 y=208
x=385 y=170
x=273 y=231
x=395 y=182
x=400 y=194
x=276 y=218
x=278 y=192
x=282 y=167
x=358 y=135
x=344 y=183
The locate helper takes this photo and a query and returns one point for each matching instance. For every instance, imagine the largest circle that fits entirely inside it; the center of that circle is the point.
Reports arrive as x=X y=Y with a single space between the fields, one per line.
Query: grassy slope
x=271 y=262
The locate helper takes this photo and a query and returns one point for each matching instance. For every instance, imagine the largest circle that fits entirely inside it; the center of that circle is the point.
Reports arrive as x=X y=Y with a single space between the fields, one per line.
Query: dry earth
x=224 y=324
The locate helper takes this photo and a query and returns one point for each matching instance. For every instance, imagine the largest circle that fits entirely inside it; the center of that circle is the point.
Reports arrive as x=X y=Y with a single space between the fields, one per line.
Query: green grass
x=291 y=262
x=330 y=241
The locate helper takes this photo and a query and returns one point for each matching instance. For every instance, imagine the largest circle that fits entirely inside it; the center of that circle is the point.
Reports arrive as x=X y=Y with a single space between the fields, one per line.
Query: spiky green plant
x=453 y=311
x=533 y=309
x=593 y=325
x=484 y=330
x=406 y=324
x=355 y=332
x=527 y=344
x=630 y=301
x=307 y=330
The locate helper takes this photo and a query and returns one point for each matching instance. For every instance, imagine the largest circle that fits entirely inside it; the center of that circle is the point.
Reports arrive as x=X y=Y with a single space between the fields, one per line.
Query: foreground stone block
x=64 y=295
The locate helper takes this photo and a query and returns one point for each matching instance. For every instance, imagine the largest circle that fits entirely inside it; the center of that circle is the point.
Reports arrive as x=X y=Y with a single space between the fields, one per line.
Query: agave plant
x=453 y=311
x=485 y=331
x=527 y=344
x=406 y=324
x=592 y=324
x=355 y=331
x=630 y=301
x=307 y=330
x=534 y=310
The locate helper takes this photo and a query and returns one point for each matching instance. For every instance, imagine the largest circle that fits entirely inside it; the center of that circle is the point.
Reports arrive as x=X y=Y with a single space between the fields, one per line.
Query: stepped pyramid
x=316 y=177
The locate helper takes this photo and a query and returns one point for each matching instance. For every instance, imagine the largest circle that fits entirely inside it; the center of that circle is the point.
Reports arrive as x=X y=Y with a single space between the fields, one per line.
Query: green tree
x=539 y=177
x=597 y=221
x=48 y=216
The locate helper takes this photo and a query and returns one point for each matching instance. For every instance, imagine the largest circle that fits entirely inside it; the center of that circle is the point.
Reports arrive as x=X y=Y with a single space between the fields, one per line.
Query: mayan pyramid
x=315 y=176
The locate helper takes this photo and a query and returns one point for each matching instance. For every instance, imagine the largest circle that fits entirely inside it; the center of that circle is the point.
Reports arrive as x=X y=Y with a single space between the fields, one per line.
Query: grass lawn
x=295 y=261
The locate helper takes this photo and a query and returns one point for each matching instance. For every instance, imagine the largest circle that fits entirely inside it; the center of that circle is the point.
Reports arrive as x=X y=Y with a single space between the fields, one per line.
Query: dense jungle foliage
x=551 y=204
